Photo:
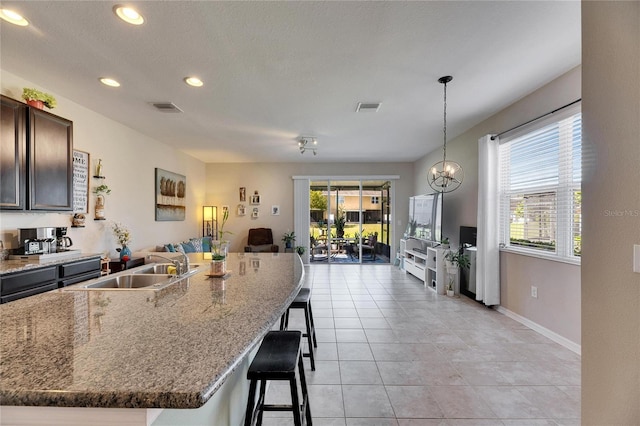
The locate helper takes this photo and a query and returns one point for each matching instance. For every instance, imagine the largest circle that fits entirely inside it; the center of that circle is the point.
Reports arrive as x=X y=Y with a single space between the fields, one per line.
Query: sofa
x=192 y=245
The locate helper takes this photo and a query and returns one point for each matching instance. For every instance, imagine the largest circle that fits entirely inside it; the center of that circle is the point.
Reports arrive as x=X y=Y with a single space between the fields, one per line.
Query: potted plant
x=38 y=99
x=100 y=192
x=289 y=238
x=340 y=222
x=454 y=260
x=123 y=235
x=219 y=246
x=444 y=243
x=300 y=250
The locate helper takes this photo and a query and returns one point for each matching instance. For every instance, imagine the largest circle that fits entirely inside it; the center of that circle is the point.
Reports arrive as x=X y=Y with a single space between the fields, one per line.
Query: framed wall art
x=243 y=194
x=242 y=210
x=170 y=192
x=275 y=210
x=255 y=198
x=255 y=213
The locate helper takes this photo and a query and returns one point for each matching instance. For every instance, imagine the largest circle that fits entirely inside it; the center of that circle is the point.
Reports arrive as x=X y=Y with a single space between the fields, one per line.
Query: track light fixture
x=308 y=143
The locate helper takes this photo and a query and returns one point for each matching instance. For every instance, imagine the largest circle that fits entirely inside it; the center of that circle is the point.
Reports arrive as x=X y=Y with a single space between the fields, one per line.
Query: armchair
x=260 y=240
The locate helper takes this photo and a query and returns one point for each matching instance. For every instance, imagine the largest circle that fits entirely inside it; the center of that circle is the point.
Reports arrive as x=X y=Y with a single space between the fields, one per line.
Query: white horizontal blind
x=540 y=195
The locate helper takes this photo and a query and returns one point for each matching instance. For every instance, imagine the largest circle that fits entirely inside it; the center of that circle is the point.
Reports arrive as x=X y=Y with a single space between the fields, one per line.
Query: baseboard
x=572 y=346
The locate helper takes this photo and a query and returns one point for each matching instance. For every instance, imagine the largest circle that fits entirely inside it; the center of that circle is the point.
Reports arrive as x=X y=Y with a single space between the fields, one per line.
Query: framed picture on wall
x=275 y=210
x=255 y=213
x=254 y=199
x=243 y=194
x=241 y=210
x=170 y=193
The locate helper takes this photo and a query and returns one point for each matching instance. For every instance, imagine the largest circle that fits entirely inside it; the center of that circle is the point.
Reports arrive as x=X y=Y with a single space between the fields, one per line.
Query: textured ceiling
x=275 y=71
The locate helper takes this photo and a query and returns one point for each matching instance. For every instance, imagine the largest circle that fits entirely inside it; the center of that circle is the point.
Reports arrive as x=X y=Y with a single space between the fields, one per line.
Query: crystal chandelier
x=445 y=176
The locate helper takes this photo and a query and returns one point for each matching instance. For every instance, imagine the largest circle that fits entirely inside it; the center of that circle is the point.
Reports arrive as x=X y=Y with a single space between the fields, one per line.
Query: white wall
x=129 y=159
x=558 y=305
x=611 y=213
x=274 y=183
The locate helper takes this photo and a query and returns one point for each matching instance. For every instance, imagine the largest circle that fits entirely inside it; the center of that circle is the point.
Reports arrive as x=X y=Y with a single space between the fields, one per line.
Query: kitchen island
x=136 y=352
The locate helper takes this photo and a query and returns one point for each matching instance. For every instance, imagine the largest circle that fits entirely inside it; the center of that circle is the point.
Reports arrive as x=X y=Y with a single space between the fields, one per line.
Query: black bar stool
x=303 y=301
x=276 y=359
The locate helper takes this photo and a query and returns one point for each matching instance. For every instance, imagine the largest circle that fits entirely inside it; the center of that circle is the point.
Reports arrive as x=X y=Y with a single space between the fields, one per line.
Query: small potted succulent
x=300 y=250
x=289 y=238
x=38 y=99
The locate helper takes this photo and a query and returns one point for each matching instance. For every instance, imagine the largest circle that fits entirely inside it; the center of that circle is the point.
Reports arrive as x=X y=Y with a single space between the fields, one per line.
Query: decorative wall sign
x=80 y=181
x=171 y=190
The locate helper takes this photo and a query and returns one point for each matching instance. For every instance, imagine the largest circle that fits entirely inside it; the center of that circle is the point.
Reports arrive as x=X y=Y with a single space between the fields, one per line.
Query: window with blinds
x=540 y=190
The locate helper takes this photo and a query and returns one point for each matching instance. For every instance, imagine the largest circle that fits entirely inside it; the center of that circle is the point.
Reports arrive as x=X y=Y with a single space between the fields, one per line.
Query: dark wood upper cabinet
x=36 y=159
x=12 y=154
x=50 y=161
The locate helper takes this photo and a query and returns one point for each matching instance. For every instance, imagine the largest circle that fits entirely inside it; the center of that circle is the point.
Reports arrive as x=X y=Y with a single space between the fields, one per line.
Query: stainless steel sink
x=131 y=281
x=134 y=281
x=158 y=268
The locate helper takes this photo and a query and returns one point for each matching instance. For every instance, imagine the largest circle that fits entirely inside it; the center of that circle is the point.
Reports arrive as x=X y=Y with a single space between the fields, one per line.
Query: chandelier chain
x=444 y=130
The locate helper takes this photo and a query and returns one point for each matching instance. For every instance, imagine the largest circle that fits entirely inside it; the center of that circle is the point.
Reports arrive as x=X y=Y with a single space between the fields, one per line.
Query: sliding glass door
x=350 y=221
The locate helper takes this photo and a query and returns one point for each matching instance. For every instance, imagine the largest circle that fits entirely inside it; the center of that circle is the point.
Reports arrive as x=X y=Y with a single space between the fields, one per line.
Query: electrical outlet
x=534 y=292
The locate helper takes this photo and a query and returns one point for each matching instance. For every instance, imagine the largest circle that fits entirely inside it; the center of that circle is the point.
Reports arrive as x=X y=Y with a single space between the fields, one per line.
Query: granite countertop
x=10 y=266
x=170 y=348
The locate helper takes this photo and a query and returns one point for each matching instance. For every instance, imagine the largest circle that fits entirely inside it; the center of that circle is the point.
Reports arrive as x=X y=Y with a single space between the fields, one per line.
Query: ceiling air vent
x=166 y=106
x=368 y=107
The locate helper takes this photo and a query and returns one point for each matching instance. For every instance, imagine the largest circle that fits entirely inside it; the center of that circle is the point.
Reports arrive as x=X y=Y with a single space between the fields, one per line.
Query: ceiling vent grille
x=166 y=107
x=368 y=107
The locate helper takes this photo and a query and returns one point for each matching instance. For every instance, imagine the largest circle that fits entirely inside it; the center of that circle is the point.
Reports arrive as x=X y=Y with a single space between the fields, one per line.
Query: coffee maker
x=63 y=242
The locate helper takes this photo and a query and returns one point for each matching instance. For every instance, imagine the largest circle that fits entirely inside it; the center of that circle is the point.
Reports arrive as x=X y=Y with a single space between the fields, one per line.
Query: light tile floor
x=393 y=353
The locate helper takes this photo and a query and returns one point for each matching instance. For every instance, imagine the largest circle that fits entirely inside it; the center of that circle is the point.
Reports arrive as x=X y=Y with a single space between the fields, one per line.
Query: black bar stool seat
x=303 y=301
x=276 y=359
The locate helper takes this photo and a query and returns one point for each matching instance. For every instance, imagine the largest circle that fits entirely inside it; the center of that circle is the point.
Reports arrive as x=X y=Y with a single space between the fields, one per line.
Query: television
x=425 y=218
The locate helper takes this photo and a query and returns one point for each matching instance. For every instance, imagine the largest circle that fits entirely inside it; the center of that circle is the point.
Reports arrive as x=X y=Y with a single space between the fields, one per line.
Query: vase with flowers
x=219 y=248
x=123 y=235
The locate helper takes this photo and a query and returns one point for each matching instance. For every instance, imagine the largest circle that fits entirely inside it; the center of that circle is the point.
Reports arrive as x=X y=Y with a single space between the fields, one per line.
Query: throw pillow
x=188 y=247
x=206 y=244
x=170 y=248
x=179 y=248
x=197 y=244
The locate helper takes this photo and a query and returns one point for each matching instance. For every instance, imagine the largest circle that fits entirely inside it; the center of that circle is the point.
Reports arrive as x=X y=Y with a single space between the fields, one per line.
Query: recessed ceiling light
x=128 y=14
x=193 y=81
x=13 y=17
x=109 y=82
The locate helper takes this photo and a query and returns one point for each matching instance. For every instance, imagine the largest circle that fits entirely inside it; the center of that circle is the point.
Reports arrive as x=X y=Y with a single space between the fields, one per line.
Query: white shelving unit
x=426 y=266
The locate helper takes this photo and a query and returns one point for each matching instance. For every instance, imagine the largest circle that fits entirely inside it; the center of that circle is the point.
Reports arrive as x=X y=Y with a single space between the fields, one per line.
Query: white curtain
x=301 y=218
x=488 y=256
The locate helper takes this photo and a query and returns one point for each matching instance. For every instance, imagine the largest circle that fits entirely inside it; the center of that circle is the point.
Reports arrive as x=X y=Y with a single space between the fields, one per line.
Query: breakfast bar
x=170 y=349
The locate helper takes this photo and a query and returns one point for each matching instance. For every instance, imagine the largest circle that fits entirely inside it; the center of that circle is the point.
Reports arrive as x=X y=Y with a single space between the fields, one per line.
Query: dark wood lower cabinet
x=17 y=285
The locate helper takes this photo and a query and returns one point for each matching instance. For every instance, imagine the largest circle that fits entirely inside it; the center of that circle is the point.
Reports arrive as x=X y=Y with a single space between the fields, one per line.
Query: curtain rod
x=537 y=118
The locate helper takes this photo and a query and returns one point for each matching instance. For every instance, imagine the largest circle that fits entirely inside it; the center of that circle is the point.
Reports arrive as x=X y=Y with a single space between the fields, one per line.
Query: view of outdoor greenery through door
x=350 y=221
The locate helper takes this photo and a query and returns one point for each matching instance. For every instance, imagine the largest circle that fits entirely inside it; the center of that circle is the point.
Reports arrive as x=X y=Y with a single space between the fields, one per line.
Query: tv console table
x=427 y=266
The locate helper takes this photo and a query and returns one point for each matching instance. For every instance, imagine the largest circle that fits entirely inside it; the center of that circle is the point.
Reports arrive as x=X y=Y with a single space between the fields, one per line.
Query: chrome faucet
x=180 y=268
